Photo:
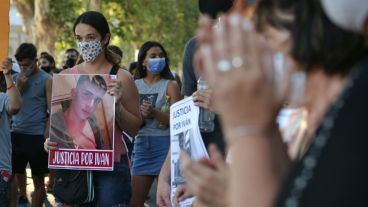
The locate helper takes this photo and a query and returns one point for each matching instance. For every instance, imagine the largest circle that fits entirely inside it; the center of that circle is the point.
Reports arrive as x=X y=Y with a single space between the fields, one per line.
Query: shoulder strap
x=114 y=70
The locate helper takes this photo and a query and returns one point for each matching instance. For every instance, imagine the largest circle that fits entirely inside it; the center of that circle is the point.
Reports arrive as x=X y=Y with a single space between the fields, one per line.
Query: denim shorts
x=113 y=188
x=4 y=192
x=149 y=154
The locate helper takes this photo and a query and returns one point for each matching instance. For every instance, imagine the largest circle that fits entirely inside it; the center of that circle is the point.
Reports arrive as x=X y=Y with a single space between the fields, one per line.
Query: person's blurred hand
x=203 y=99
x=6 y=66
x=207 y=178
x=163 y=193
x=48 y=145
x=21 y=80
x=115 y=88
x=146 y=108
x=237 y=64
x=181 y=193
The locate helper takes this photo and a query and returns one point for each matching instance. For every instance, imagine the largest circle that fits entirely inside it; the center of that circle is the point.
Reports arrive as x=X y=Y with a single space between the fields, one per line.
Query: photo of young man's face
x=82 y=122
x=85 y=99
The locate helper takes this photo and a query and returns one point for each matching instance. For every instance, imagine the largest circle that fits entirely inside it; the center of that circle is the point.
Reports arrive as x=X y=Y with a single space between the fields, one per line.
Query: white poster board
x=184 y=135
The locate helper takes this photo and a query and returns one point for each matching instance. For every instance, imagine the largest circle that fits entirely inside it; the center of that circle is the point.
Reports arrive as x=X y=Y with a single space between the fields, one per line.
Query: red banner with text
x=81 y=159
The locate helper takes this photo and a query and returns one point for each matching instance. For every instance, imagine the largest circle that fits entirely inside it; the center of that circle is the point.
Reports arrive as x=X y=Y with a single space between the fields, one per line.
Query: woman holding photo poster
x=157 y=90
x=92 y=35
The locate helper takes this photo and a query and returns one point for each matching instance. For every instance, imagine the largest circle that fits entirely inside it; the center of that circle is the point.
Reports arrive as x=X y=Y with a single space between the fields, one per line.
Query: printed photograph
x=82 y=113
x=184 y=141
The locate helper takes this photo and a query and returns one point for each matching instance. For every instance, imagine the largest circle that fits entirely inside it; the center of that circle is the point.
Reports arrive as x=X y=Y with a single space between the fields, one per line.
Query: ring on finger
x=237 y=62
x=223 y=65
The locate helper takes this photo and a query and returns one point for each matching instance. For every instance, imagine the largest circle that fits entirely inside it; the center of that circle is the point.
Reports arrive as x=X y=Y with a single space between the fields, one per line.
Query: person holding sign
x=92 y=35
x=77 y=127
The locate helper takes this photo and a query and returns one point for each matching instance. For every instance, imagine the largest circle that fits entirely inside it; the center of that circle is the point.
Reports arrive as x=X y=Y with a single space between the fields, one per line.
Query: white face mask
x=297 y=81
x=348 y=14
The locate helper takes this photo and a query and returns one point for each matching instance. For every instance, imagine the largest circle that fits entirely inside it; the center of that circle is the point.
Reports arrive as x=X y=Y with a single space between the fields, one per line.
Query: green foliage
x=132 y=22
x=63 y=14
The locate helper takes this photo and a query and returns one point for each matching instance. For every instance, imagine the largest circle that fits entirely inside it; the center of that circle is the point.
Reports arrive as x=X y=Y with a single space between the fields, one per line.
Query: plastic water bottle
x=166 y=109
x=206 y=118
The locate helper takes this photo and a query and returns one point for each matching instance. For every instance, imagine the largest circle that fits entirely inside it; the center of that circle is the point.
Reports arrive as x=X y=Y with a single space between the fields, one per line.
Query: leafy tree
x=44 y=20
x=132 y=22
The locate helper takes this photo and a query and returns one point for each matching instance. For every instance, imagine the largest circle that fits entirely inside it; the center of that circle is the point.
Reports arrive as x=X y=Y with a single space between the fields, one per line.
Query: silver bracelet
x=246 y=131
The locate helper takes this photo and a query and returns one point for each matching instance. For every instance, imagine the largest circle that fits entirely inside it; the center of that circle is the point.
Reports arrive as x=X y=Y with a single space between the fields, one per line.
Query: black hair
x=116 y=50
x=213 y=8
x=98 y=21
x=278 y=14
x=132 y=66
x=44 y=53
x=48 y=57
x=319 y=42
x=72 y=50
x=142 y=70
x=26 y=50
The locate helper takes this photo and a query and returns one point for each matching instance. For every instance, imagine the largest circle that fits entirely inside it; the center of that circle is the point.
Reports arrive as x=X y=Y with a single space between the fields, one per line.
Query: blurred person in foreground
x=200 y=98
x=260 y=173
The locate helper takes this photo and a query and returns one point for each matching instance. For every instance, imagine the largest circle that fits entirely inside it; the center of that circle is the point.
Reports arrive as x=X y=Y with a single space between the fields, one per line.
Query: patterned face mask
x=90 y=50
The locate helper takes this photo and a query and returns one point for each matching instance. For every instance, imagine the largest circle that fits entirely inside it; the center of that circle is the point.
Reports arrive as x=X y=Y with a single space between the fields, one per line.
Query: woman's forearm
x=127 y=121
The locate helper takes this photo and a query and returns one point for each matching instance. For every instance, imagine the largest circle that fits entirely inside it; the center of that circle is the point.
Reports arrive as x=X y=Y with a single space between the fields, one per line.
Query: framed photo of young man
x=82 y=122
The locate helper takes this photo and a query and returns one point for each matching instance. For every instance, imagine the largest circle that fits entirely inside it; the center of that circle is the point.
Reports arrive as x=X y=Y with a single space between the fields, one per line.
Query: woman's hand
x=146 y=109
x=115 y=88
x=203 y=99
x=207 y=178
x=48 y=145
x=163 y=193
x=237 y=65
x=181 y=193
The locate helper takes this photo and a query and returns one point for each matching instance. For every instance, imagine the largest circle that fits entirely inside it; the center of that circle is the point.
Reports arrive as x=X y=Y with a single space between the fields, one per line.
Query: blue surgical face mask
x=156 y=65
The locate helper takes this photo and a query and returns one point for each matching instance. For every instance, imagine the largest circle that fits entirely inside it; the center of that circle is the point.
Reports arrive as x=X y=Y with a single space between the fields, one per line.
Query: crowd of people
x=286 y=80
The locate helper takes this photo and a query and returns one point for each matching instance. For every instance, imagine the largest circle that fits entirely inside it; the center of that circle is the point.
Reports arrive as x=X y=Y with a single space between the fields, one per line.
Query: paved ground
x=151 y=202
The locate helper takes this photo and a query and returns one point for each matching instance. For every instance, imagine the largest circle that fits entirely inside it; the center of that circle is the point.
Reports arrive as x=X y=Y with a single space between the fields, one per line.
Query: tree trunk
x=25 y=9
x=44 y=32
x=94 y=5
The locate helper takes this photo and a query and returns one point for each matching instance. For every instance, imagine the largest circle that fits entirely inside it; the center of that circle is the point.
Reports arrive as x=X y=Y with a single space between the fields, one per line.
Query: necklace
x=310 y=161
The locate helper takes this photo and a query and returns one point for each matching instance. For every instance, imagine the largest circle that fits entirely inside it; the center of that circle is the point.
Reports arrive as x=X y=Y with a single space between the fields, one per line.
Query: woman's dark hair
x=98 y=21
x=49 y=58
x=319 y=42
x=132 y=66
x=72 y=50
x=278 y=14
x=142 y=70
x=116 y=50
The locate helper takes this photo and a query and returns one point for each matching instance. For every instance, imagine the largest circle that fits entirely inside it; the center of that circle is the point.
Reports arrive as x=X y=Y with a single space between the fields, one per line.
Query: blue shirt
x=32 y=117
x=5 y=141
